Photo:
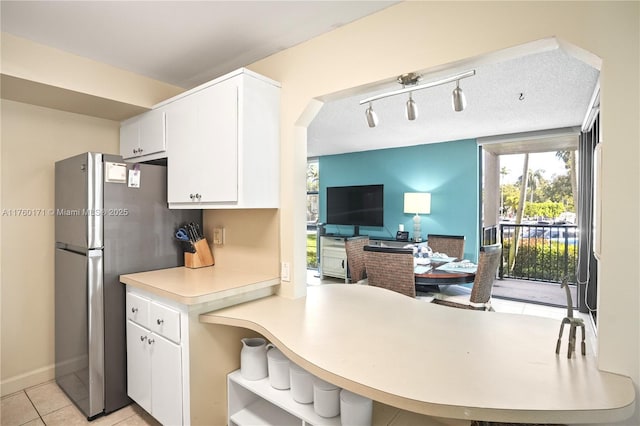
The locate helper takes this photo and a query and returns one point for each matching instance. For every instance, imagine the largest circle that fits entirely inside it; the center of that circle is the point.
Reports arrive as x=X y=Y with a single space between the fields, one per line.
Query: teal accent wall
x=448 y=170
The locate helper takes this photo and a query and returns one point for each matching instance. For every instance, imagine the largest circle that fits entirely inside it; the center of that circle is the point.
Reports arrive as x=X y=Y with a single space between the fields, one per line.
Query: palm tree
x=535 y=178
x=569 y=158
x=533 y=181
x=513 y=250
x=503 y=172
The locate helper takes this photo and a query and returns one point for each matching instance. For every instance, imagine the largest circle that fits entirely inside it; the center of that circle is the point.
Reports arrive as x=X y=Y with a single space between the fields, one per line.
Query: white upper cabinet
x=203 y=132
x=143 y=137
x=223 y=144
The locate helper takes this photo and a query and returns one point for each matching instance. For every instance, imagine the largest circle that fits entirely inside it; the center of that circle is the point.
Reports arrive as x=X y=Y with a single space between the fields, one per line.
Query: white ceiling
x=541 y=86
x=186 y=43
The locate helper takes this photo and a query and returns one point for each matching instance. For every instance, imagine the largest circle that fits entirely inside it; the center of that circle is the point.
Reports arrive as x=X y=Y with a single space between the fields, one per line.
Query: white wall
x=33 y=138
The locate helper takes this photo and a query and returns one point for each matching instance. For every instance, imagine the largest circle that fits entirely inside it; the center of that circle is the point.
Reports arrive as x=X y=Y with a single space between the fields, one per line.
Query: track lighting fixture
x=458 y=99
x=409 y=85
x=412 y=109
x=372 y=117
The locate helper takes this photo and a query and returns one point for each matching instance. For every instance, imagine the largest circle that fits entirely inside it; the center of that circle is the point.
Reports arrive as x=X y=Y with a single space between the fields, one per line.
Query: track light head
x=412 y=108
x=372 y=117
x=458 y=99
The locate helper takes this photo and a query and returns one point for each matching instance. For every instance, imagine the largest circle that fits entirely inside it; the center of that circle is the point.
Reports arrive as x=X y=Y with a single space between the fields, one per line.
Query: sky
x=545 y=161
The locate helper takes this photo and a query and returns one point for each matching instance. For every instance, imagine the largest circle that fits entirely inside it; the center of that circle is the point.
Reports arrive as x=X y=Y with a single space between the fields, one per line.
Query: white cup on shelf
x=355 y=410
x=301 y=384
x=326 y=398
x=278 y=365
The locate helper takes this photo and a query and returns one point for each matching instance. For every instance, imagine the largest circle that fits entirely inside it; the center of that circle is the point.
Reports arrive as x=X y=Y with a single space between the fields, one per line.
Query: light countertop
x=195 y=286
x=436 y=360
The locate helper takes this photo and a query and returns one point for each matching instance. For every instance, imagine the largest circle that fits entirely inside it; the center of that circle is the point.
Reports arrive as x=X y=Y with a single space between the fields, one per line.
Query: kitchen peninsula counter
x=202 y=285
x=436 y=360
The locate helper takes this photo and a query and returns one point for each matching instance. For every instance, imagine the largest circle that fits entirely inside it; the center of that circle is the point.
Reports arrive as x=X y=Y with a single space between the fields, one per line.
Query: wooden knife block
x=201 y=258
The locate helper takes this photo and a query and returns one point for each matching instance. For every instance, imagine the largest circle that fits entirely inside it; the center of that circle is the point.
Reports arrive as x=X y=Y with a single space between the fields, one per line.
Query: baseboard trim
x=26 y=380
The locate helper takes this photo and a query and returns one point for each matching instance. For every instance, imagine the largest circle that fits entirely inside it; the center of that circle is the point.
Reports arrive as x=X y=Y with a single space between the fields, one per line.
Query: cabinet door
x=166 y=381
x=333 y=262
x=152 y=133
x=202 y=138
x=129 y=138
x=138 y=370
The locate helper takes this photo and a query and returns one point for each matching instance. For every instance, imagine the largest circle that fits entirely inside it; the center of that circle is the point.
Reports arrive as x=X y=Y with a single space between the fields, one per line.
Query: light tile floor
x=46 y=404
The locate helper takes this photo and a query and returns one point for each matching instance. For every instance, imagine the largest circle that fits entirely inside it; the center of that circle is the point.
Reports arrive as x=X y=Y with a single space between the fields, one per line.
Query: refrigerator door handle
x=95 y=201
x=95 y=304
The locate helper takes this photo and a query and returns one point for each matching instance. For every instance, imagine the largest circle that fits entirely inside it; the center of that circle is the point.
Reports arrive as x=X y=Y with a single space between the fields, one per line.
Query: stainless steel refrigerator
x=111 y=219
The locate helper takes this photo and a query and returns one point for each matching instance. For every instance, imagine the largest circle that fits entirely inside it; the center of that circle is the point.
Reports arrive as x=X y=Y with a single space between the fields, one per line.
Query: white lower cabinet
x=255 y=402
x=155 y=359
x=166 y=381
x=333 y=257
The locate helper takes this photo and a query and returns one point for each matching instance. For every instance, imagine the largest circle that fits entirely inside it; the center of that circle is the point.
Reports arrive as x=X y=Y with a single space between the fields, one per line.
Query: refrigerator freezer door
x=78 y=201
x=79 y=326
x=139 y=235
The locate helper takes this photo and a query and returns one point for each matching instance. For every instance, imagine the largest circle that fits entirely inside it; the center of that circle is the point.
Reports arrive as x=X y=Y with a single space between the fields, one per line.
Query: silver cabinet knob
x=143 y=338
x=151 y=341
x=159 y=321
x=134 y=310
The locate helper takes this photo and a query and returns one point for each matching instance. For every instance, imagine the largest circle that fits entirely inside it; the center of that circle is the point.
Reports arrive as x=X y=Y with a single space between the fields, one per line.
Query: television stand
x=333 y=255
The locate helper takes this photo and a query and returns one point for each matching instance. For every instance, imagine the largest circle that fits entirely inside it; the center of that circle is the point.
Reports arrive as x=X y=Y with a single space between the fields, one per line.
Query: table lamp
x=418 y=203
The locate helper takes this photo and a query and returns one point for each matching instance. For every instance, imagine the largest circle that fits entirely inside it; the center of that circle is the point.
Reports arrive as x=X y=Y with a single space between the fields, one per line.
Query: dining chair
x=391 y=268
x=480 y=296
x=355 y=257
x=451 y=245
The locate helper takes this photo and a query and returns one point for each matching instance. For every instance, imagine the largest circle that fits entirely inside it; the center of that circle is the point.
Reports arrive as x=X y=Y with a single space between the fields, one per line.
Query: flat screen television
x=361 y=205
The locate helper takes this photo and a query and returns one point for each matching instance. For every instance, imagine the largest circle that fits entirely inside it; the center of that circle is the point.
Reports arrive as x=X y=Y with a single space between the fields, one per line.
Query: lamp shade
x=417 y=202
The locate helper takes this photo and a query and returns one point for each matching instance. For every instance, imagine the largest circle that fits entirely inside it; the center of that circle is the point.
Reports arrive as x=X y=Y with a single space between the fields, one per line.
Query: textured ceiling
x=556 y=89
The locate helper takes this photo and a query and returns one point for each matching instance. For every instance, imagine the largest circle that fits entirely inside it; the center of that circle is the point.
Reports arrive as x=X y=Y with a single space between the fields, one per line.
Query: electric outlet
x=218 y=236
x=284 y=271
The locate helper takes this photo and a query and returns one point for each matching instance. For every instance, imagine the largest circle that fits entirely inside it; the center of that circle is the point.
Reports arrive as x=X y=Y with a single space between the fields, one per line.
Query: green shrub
x=541 y=260
x=312 y=259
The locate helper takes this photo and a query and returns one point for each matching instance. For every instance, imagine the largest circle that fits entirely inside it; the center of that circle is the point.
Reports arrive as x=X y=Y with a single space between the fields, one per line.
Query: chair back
x=355 y=257
x=451 y=245
x=391 y=268
x=488 y=263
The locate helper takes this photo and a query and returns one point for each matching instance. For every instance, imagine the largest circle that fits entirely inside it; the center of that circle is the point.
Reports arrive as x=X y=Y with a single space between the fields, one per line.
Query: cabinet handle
x=195 y=196
x=151 y=341
x=143 y=338
x=140 y=150
x=134 y=310
x=159 y=321
x=192 y=196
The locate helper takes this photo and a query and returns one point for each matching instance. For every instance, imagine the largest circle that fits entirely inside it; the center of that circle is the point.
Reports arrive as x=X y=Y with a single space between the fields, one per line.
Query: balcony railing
x=543 y=253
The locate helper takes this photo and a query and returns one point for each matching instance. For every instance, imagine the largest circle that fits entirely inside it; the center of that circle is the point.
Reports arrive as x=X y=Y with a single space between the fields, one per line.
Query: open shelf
x=256 y=402
x=262 y=412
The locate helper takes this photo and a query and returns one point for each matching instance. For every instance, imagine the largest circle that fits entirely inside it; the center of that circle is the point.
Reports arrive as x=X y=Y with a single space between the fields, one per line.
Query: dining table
x=432 y=272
